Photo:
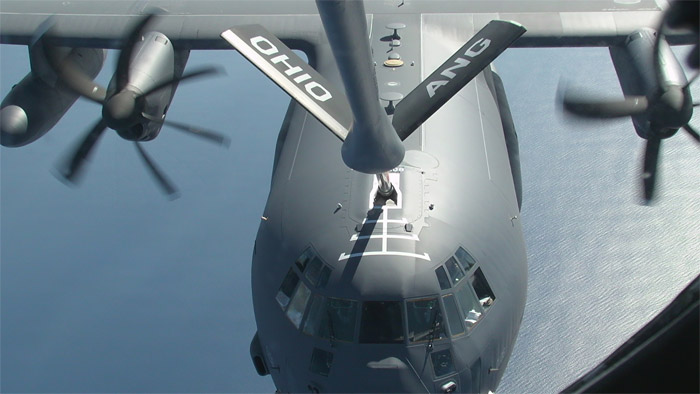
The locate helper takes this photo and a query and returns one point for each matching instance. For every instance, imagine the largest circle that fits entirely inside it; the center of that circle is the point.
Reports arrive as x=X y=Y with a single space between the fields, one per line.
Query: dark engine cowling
x=38 y=102
x=634 y=64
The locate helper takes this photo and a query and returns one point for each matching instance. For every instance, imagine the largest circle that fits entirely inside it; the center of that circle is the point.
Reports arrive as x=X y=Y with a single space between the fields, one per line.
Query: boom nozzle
x=372 y=146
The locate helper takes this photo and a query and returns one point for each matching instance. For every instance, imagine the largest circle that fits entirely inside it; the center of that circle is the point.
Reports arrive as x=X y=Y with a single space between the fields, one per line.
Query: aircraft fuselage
x=424 y=293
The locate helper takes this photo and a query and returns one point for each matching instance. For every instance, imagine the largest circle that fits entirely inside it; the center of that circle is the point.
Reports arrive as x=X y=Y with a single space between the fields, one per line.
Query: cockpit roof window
x=298 y=304
x=304 y=259
x=287 y=288
x=313 y=270
x=465 y=259
x=455 y=272
x=442 y=278
x=381 y=322
x=424 y=320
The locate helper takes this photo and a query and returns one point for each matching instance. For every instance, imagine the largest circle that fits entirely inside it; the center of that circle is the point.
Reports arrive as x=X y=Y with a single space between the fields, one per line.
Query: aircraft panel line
x=296 y=151
x=483 y=132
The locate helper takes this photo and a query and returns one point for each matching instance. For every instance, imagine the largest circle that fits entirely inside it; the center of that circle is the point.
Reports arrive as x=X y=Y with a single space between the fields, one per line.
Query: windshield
x=332 y=318
x=424 y=320
x=381 y=322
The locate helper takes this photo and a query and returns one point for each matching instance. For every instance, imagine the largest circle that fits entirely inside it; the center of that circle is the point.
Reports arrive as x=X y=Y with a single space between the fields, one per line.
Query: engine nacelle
x=634 y=64
x=40 y=100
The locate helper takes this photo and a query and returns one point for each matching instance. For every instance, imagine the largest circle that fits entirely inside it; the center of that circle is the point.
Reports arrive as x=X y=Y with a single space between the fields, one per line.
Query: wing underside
x=198 y=24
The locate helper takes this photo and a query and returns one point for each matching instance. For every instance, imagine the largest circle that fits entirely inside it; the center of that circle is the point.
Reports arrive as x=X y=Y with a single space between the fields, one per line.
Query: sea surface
x=601 y=265
x=111 y=288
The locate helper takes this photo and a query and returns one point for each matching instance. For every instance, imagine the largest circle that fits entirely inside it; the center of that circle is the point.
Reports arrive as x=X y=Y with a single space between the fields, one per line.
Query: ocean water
x=600 y=264
x=111 y=288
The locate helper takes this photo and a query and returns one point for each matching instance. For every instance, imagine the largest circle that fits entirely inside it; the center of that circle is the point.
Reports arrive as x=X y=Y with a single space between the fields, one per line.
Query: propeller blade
x=651 y=161
x=194 y=74
x=74 y=166
x=691 y=80
x=193 y=130
x=692 y=132
x=72 y=76
x=160 y=178
x=124 y=61
x=205 y=134
x=630 y=106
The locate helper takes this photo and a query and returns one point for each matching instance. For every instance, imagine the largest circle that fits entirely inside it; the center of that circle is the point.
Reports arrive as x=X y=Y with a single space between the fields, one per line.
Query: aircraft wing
x=198 y=24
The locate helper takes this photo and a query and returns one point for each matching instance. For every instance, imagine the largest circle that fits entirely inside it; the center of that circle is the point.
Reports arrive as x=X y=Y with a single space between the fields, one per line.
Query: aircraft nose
x=14 y=125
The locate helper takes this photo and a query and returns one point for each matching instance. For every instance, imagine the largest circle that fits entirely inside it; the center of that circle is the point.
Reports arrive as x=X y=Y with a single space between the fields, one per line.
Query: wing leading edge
x=198 y=24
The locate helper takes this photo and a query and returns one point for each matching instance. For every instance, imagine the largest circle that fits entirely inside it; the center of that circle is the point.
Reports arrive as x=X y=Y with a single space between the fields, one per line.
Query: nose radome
x=13 y=126
x=14 y=120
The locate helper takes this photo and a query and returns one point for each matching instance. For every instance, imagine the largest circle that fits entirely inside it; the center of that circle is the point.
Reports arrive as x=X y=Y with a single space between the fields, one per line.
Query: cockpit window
x=304 y=259
x=332 y=318
x=471 y=308
x=298 y=304
x=341 y=317
x=455 y=272
x=313 y=270
x=323 y=277
x=453 y=318
x=465 y=259
x=471 y=298
x=316 y=311
x=424 y=320
x=381 y=322
x=442 y=278
x=482 y=288
x=288 y=285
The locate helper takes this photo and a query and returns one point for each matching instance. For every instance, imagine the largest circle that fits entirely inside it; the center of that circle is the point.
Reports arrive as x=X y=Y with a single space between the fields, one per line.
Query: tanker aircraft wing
x=198 y=24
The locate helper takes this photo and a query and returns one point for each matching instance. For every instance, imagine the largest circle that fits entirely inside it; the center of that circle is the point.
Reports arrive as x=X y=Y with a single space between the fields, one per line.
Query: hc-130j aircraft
x=416 y=279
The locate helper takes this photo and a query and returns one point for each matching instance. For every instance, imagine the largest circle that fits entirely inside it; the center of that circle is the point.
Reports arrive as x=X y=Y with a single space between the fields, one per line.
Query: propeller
x=667 y=107
x=124 y=109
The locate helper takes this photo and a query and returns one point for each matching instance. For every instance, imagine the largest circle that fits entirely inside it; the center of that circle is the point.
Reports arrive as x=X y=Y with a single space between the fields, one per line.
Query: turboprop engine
x=657 y=97
x=40 y=100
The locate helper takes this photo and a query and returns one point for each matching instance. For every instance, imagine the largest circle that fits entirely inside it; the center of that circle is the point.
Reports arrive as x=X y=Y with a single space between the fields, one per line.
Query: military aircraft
x=398 y=326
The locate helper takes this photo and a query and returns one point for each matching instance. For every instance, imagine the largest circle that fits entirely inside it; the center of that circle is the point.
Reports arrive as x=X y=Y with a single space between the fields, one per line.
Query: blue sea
x=600 y=264
x=111 y=288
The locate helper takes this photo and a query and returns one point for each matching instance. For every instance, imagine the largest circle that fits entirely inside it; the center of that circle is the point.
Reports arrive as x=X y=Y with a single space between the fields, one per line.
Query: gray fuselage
x=357 y=311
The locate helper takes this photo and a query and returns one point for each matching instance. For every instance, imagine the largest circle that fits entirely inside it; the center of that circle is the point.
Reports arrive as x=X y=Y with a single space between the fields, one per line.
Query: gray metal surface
x=197 y=24
x=458 y=169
